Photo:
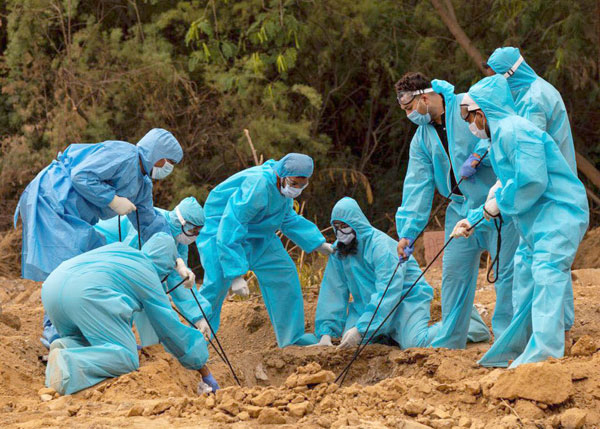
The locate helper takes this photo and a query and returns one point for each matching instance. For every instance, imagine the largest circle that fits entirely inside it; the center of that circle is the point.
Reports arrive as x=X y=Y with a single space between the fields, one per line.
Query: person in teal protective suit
x=440 y=145
x=85 y=183
x=91 y=300
x=185 y=223
x=364 y=261
x=243 y=214
x=549 y=207
x=537 y=100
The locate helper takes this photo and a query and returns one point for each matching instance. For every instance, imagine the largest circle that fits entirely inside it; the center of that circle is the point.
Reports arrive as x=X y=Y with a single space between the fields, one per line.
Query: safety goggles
x=406 y=97
x=192 y=230
x=468 y=106
x=294 y=184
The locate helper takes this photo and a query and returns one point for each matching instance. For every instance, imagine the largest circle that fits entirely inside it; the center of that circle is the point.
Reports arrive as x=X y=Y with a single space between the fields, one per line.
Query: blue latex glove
x=210 y=380
x=408 y=250
x=467 y=170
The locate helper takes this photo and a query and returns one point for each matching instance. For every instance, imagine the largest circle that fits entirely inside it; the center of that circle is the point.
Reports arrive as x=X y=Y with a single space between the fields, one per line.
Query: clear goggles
x=406 y=97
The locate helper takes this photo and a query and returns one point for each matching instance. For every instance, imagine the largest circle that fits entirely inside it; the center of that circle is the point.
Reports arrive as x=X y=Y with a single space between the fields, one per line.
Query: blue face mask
x=418 y=118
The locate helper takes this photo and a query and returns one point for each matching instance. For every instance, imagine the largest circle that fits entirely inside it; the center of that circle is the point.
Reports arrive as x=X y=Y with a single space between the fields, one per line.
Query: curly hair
x=412 y=81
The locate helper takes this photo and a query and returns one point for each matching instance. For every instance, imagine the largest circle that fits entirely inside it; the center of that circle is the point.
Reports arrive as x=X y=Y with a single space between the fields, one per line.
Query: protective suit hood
x=158 y=144
x=492 y=94
x=348 y=211
x=503 y=59
x=190 y=210
x=294 y=165
x=442 y=87
x=161 y=251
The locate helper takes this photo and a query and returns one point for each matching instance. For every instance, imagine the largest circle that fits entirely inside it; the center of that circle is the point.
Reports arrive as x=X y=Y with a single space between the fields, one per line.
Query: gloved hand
x=325 y=249
x=325 y=341
x=470 y=166
x=121 y=205
x=204 y=329
x=490 y=209
x=462 y=229
x=184 y=272
x=239 y=286
x=210 y=380
x=350 y=339
x=493 y=189
x=405 y=248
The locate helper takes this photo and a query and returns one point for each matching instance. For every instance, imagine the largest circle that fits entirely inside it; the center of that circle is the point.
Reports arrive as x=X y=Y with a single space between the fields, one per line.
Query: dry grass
x=10 y=253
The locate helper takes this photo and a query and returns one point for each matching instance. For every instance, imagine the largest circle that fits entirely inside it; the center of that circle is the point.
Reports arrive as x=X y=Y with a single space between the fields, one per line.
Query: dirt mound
x=588 y=255
x=387 y=387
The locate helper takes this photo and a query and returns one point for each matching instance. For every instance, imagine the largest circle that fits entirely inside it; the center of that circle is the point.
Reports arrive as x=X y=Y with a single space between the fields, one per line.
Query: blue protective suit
x=429 y=169
x=365 y=275
x=193 y=213
x=60 y=206
x=243 y=213
x=92 y=298
x=537 y=100
x=549 y=207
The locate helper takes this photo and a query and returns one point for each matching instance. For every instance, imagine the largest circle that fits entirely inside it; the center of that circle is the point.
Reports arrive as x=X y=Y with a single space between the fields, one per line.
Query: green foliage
x=314 y=77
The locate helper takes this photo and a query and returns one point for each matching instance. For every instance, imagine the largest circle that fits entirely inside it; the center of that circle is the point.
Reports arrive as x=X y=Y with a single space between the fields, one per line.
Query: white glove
x=462 y=229
x=325 y=341
x=490 y=209
x=239 y=286
x=121 y=205
x=202 y=326
x=184 y=272
x=493 y=189
x=350 y=339
x=325 y=249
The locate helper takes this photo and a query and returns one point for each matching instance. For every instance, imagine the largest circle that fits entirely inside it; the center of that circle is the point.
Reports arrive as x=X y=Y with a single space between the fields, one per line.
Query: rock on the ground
x=529 y=410
x=270 y=416
x=585 y=346
x=45 y=397
x=299 y=409
x=260 y=373
x=136 y=410
x=263 y=399
x=573 y=418
x=542 y=382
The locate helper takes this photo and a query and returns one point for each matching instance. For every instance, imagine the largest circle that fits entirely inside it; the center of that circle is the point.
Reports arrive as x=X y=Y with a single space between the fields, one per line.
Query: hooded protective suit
x=193 y=213
x=91 y=299
x=536 y=99
x=60 y=206
x=549 y=207
x=429 y=169
x=243 y=214
x=365 y=275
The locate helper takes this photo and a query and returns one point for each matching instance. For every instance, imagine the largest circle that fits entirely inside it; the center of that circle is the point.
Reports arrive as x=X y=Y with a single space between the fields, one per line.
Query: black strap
x=496 y=261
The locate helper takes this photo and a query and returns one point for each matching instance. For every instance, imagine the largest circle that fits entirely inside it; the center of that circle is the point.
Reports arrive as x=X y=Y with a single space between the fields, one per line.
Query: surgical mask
x=185 y=239
x=482 y=134
x=345 y=235
x=419 y=118
x=162 y=172
x=291 y=192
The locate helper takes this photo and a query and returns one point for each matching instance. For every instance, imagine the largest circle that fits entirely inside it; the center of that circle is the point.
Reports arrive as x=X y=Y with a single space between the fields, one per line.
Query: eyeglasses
x=465 y=112
x=193 y=231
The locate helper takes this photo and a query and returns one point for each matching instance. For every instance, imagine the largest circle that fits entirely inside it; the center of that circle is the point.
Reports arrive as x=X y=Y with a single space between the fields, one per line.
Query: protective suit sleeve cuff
x=474 y=215
x=313 y=248
x=106 y=198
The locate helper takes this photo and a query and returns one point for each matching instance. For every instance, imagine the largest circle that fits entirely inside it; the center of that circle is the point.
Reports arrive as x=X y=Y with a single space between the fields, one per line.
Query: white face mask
x=345 y=235
x=162 y=172
x=482 y=134
x=186 y=240
x=290 y=191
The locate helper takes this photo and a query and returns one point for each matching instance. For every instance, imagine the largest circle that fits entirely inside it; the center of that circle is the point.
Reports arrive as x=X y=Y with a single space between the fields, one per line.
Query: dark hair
x=347 y=249
x=412 y=81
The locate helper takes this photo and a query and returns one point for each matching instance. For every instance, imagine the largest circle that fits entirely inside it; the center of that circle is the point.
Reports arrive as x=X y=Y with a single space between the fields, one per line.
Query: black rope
x=496 y=261
x=137 y=218
x=177 y=285
x=119 y=219
x=362 y=344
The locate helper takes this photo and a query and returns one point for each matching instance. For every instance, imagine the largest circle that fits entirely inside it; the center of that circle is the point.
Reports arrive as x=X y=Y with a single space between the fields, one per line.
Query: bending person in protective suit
x=440 y=146
x=91 y=300
x=88 y=182
x=243 y=214
x=185 y=223
x=549 y=207
x=362 y=264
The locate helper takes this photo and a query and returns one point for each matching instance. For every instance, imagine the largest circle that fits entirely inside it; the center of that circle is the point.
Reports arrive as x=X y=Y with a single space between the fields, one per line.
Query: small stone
x=414 y=408
x=464 y=422
x=260 y=373
x=210 y=401
x=473 y=387
x=298 y=409
x=46 y=391
x=440 y=414
x=270 y=416
x=252 y=410
x=230 y=406
x=45 y=397
x=136 y=410
x=263 y=399
x=573 y=418
x=510 y=421
x=585 y=346
x=529 y=410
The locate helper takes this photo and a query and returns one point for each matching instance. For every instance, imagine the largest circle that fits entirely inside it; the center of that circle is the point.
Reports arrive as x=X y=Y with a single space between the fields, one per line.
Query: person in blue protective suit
x=535 y=99
x=91 y=300
x=243 y=214
x=185 y=223
x=88 y=182
x=440 y=145
x=549 y=207
x=362 y=264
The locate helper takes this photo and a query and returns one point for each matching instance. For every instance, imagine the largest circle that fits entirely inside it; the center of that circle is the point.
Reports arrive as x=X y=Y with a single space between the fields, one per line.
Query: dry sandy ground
x=387 y=387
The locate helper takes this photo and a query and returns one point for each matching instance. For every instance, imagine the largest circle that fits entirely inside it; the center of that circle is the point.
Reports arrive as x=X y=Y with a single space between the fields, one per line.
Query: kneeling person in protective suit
x=362 y=264
x=243 y=215
x=91 y=300
x=185 y=223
